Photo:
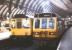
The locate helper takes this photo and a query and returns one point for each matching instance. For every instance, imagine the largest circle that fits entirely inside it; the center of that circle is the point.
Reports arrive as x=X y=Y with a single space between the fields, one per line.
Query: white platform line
x=58 y=48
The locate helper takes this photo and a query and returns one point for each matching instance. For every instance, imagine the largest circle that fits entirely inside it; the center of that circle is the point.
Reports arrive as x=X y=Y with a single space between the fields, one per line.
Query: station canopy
x=30 y=7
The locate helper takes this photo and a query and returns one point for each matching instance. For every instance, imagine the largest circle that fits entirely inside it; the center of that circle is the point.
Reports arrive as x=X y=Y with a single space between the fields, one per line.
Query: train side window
x=37 y=23
x=44 y=23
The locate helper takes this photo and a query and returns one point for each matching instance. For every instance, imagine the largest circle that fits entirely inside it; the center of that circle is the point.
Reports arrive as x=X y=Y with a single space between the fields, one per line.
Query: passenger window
x=44 y=23
x=37 y=23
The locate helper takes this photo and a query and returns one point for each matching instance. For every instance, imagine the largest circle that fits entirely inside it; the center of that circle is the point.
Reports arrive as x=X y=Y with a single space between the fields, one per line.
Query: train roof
x=20 y=16
x=45 y=15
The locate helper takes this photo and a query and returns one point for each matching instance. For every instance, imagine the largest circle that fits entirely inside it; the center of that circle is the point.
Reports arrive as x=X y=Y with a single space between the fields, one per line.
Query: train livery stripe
x=59 y=46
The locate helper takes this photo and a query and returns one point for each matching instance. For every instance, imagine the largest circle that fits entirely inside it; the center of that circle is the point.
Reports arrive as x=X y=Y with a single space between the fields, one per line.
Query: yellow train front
x=45 y=26
x=20 y=26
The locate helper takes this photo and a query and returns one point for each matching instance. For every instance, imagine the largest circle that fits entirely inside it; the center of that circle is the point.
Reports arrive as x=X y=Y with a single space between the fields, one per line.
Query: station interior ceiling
x=30 y=7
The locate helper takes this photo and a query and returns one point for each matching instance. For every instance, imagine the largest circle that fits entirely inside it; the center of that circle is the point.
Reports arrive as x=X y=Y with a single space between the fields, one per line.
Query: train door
x=51 y=23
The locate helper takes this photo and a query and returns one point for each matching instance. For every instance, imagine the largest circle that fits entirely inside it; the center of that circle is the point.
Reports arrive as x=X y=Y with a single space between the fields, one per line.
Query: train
x=43 y=25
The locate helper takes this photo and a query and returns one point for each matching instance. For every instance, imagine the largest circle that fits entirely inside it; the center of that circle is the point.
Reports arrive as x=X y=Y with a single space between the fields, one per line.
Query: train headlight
x=36 y=33
x=51 y=33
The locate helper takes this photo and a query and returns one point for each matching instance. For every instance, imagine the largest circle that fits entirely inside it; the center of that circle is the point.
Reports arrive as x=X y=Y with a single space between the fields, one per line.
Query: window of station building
x=51 y=23
x=44 y=23
x=37 y=23
x=26 y=23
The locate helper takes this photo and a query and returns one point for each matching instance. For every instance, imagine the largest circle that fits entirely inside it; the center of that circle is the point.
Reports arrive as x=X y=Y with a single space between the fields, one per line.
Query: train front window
x=18 y=24
x=44 y=23
x=25 y=23
x=37 y=23
x=51 y=23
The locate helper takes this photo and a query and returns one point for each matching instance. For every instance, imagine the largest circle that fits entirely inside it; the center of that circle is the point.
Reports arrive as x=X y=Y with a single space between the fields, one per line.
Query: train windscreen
x=25 y=23
x=51 y=23
x=19 y=23
x=44 y=23
x=37 y=23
